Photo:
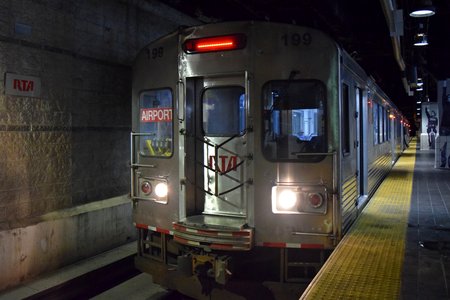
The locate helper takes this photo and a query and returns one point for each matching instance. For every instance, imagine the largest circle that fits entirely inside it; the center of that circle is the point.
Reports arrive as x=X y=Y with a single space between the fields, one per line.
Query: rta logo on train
x=224 y=163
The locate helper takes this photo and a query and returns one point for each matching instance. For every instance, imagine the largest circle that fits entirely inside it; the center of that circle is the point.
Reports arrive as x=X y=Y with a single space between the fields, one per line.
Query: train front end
x=233 y=159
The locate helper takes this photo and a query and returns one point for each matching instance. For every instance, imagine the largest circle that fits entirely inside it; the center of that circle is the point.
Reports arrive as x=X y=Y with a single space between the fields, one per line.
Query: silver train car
x=254 y=147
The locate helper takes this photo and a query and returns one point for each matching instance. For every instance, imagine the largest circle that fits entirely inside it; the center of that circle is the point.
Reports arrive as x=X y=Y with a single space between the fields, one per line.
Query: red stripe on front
x=178 y=227
x=206 y=232
x=211 y=232
x=163 y=230
x=221 y=246
x=274 y=245
x=143 y=226
x=160 y=230
x=241 y=233
x=181 y=240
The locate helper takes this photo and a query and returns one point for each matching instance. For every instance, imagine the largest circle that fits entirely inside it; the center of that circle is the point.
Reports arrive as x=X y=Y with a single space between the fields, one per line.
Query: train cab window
x=224 y=111
x=156 y=112
x=294 y=117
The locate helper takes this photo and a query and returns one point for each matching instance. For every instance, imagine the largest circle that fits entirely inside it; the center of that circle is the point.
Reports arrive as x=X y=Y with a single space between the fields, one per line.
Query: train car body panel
x=252 y=143
x=155 y=157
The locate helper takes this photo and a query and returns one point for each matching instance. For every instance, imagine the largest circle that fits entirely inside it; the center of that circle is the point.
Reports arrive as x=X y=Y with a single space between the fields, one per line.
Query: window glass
x=380 y=124
x=388 y=126
x=156 y=115
x=384 y=125
x=224 y=111
x=375 y=123
x=294 y=120
x=345 y=119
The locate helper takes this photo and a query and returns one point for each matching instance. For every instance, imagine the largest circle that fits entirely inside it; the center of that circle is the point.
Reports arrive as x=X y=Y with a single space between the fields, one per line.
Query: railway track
x=117 y=280
x=92 y=283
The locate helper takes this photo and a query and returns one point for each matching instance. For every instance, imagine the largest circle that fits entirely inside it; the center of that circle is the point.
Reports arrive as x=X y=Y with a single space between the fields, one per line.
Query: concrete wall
x=63 y=237
x=70 y=145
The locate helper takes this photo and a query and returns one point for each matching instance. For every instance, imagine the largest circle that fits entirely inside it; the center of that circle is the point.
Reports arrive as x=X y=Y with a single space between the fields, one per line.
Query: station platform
x=399 y=246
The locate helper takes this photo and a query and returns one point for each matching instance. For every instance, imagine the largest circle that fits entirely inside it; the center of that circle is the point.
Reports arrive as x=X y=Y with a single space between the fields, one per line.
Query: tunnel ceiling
x=359 y=26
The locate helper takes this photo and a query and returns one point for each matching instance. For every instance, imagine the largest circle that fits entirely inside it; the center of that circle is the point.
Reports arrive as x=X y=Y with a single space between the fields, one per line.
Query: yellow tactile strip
x=367 y=263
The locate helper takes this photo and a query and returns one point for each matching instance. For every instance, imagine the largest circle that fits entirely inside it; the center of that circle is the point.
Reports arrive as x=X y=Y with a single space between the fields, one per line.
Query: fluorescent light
x=422 y=13
x=422 y=9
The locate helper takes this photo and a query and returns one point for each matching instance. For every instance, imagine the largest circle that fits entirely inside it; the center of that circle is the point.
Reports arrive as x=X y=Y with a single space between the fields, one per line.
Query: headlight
x=153 y=189
x=161 y=190
x=285 y=200
x=296 y=199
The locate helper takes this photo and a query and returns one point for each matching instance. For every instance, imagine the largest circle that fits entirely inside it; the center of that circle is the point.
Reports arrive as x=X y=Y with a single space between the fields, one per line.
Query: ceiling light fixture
x=423 y=8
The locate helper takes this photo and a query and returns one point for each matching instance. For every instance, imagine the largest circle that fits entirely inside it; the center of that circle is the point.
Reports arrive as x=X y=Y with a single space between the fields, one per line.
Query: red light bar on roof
x=215 y=43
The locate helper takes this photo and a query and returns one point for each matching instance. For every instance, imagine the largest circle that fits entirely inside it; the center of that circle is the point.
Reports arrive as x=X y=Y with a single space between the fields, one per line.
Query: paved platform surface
x=367 y=263
x=413 y=256
x=426 y=269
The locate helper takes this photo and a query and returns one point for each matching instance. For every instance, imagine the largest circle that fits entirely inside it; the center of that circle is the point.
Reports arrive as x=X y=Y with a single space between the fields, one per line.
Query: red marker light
x=216 y=43
x=146 y=187
x=315 y=199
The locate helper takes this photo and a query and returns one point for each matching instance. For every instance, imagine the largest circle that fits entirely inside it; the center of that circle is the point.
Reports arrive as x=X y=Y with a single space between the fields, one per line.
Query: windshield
x=294 y=120
x=155 y=118
x=224 y=111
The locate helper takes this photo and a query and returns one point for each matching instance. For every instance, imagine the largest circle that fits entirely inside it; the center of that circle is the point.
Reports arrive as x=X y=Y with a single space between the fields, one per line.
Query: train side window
x=384 y=125
x=375 y=123
x=294 y=120
x=224 y=111
x=388 y=126
x=156 y=123
x=381 y=124
x=345 y=120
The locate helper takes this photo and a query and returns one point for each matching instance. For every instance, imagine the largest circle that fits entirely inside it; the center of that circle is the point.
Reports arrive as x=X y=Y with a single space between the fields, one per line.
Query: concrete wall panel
x=63 y=237
x=69 y=147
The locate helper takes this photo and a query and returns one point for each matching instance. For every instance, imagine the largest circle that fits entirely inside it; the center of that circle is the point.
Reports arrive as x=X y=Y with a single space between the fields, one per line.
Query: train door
x=391 y=135
x=215 y=149
x=361 y=113
x=357 y=139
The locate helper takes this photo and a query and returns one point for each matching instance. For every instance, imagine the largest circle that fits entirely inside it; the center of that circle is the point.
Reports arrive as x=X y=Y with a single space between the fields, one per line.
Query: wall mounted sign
x=21 y=85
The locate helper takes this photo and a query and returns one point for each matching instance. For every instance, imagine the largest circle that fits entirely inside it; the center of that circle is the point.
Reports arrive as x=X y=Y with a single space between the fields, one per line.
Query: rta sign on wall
x=21 y=85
